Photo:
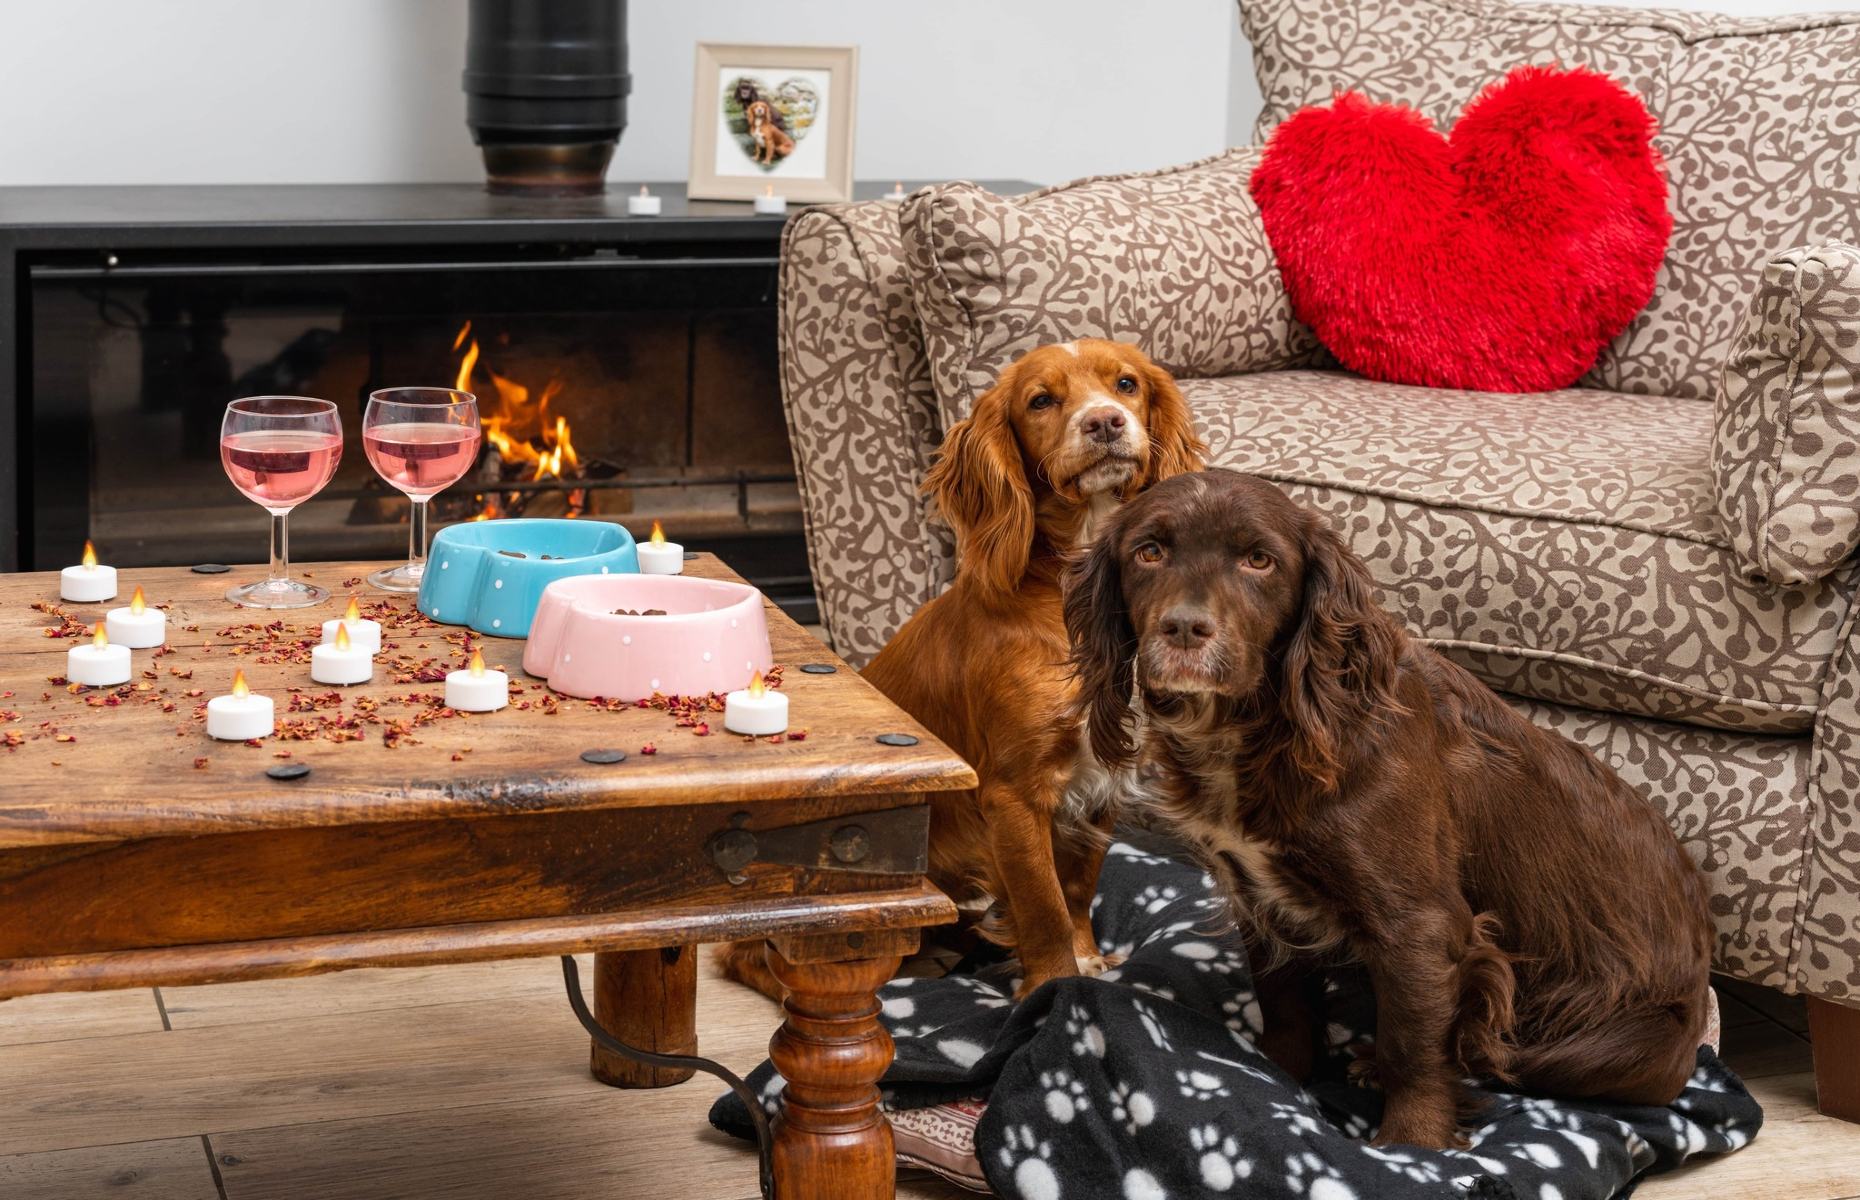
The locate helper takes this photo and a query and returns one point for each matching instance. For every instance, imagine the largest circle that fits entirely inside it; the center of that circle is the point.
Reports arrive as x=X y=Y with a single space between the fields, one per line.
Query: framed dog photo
x=773 y=116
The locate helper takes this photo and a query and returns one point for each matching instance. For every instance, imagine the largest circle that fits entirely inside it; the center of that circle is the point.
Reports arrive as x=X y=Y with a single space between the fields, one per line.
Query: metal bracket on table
x=765 y=1140
x=892 y=842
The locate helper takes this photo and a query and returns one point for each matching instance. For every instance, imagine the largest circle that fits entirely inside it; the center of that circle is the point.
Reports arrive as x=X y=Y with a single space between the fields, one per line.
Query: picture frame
x=773 y=116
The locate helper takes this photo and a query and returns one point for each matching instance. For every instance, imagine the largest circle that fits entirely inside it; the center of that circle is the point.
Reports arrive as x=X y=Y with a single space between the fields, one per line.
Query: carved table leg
x=648 y=999
x=831 y=1140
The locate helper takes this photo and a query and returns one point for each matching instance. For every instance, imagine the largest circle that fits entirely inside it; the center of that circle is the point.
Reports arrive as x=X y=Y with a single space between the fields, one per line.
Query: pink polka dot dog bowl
x=712 y=637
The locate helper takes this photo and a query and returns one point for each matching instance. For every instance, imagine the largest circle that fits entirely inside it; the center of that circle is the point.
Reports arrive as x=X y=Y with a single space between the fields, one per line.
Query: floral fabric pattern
x=1559 y=545
x=1175 y=261
x=863 y=421
x=1786 y=444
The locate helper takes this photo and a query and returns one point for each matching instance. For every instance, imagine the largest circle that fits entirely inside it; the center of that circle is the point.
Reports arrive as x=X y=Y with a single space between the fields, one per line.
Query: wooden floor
x=471 y=1082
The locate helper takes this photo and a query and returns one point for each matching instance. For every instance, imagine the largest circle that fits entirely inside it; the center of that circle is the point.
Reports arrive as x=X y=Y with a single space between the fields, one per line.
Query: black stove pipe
x=545 y=92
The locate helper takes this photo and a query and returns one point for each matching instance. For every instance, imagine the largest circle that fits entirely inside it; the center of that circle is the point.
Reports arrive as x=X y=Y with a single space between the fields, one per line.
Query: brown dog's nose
x=1188 y=627
x=1104 y=424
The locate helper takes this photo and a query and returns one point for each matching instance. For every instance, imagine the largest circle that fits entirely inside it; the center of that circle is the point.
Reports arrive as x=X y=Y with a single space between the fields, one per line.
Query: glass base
x=404 y=578
x=284 y=593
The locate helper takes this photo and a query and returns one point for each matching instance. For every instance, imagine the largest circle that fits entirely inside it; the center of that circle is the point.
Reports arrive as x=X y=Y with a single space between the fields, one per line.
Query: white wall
x=320 y=91
x=315 y=91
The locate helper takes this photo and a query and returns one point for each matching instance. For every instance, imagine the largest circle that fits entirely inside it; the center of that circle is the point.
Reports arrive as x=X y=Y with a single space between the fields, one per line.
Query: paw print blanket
x=1144 y=1084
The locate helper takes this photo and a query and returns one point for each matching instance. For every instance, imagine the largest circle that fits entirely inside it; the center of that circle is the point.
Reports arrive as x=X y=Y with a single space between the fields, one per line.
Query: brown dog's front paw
x=1095 y=965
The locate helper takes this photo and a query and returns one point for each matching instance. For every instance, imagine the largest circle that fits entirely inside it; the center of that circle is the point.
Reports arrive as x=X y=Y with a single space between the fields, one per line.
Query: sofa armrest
x=1786 y=438
x=862 y=417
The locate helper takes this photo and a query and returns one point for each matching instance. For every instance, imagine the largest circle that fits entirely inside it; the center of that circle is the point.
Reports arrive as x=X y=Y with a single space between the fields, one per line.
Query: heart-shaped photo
x=768 y=120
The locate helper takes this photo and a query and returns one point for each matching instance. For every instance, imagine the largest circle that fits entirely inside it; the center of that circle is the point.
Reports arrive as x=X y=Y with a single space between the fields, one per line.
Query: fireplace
x=626 y=368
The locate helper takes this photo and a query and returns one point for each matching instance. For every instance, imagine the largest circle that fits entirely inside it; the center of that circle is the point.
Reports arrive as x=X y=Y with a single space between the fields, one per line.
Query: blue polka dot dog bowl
x=490 y=575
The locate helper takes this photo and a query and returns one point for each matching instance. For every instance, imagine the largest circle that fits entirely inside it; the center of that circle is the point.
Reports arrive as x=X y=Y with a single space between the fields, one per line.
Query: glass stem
x=416 y=536
x=280 y=550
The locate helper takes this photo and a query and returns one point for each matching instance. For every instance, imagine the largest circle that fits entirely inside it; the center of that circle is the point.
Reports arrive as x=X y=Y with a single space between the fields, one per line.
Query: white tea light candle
x=89 y=581
x=365 y=634
x=99 y=664
x=756 y=709
x=643 y=205
x=476 y=689
x=138 y=627
x=241 y=716
x=771 y=205
x=660 y=557
x=341 y=662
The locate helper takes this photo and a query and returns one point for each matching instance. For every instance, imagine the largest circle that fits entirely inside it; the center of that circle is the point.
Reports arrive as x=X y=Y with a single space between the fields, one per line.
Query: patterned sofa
x=1657 y=563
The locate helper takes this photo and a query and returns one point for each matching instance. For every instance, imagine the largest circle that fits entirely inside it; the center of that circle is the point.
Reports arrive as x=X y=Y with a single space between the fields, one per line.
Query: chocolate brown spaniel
x=1523 y=914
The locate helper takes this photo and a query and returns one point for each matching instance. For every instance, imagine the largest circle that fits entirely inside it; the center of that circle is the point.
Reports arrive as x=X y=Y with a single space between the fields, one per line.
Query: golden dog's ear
x=981 y=488
x=1174 y=448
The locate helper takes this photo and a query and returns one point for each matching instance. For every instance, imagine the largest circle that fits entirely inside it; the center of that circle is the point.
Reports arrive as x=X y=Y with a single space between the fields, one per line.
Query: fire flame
x=90 y=556
x=136 y=602
x=519 y=429
x=98 y=637
x=240 y=688
x=643 y=191
x=756 y=686
x=477 y=662
x=658 y=534
x=489 y=510
x=769 y=190
x=353 y=612
x=342 y=636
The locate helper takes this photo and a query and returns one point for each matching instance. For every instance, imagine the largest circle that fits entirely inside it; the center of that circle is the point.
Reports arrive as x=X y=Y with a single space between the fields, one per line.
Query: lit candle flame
x=98 y=637
x=658 y=534
x=240 y=688
x=756 y=686
x=342 y=636
x=642 y=190
x=898 y=186
x=90 y=556
x=769 y=190
x=353 y=612
x=136 y=602
x=477 y=662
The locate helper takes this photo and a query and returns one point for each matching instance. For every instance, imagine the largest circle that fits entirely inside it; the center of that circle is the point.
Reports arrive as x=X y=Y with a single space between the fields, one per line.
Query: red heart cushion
x=1502 y=258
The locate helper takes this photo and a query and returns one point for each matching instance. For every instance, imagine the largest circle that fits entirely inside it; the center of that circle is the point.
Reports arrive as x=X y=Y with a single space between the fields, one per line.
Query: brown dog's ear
x=981 y=488
x=1104 y=647
x=1174 y=448
x=1340 y=664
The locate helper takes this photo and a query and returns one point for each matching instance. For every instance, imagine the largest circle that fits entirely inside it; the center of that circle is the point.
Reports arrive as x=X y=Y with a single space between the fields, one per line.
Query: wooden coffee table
x=135 y=852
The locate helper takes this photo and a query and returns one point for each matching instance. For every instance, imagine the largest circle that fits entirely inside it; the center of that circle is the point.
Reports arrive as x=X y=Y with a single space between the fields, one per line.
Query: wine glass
x=280 y=451
x=421 y=440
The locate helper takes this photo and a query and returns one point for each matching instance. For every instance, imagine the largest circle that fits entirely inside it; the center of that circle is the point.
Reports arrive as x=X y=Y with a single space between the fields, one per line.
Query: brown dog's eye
x=1149 y=552
x=1043 y=400
x=1127 y=384
x=1259 y=560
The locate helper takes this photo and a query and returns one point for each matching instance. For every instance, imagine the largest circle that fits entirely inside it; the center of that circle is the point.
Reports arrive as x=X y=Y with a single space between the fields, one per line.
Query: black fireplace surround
x=130 y=316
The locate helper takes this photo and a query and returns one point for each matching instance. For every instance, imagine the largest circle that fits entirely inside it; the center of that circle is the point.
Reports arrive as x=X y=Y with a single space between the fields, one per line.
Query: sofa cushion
x=1175 y=261
x=1786 y=445
x=1560 y=545
x=1759 y=128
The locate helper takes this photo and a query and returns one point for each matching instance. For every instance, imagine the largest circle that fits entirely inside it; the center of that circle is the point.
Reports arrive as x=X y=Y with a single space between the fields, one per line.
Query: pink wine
x=421 y=457
x=280 y=468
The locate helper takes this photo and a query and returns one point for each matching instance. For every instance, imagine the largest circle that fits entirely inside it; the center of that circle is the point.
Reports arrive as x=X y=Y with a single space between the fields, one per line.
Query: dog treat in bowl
x=491 y=574
x=707 y=636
